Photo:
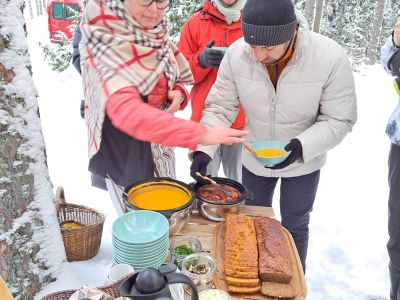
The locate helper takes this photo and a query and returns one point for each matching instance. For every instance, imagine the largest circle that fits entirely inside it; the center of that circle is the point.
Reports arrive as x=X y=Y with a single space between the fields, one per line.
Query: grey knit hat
x=268 y=22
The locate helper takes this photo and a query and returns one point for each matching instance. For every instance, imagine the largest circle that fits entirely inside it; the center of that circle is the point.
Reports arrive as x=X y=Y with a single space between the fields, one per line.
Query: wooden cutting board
x=4 y=292
x=298 y=282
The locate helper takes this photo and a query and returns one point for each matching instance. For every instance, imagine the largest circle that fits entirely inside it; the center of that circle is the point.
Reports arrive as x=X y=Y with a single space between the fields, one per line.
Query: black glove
x=297 y=152
x=210 y=57
x=199 y=164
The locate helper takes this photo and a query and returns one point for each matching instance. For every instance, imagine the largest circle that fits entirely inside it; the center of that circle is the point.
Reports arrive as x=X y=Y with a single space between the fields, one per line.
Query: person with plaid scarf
x=133 y=79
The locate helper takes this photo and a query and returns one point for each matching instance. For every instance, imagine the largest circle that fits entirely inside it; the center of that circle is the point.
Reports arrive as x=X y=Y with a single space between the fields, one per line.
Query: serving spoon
x=227 y=193
x=250 y=149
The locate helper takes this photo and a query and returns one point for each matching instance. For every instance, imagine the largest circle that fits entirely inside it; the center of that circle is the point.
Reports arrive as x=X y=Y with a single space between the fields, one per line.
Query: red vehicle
x=62 y=15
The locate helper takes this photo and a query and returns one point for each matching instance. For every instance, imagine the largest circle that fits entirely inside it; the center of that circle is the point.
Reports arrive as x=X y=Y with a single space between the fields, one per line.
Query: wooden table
x=204 y=229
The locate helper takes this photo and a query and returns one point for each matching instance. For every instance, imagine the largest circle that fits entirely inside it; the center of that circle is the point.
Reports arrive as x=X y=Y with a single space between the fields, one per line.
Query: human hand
x=297 y=152
x=199 y=164
x=210 y=57
x=175 y=97
x=396 y=33
x=222 y=135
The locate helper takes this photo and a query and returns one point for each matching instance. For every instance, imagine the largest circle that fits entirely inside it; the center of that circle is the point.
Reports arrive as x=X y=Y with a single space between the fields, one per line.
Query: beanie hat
x=268 y=22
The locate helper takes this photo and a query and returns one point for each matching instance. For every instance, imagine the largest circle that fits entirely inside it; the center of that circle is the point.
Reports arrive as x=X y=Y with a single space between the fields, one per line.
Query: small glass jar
x=214 y=294
x=201 y=268
x=182 y=247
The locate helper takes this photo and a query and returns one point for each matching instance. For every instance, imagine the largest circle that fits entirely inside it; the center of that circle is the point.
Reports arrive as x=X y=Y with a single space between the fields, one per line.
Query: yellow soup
x=159 y=196
x=72 y=224
x=270 y=152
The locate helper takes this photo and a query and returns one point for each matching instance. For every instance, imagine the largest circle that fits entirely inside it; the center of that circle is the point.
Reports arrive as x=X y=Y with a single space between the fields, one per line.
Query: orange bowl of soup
x=270 y=153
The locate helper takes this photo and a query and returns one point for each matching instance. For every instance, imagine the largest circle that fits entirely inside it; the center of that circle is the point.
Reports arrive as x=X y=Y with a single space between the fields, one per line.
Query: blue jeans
x=393 y=245
x=296 y=202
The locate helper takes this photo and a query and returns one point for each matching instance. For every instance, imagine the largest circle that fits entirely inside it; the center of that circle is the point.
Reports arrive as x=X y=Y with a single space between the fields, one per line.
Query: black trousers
x=393 y=244
x=296 y=202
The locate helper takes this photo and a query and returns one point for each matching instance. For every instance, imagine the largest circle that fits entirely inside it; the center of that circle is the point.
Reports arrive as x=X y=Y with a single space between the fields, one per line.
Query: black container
x=177 y=216
x=217 y=211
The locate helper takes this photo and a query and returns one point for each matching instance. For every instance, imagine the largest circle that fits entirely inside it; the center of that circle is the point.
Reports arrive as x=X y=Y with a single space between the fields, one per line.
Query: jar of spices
x=201 y=268
x=182 y=247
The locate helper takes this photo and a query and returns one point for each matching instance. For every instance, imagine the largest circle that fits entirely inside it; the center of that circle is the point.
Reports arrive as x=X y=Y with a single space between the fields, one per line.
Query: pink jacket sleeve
x=131 y=115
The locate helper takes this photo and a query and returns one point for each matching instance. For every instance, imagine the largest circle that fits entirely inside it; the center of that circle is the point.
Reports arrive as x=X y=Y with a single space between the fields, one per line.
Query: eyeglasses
x=161 y=4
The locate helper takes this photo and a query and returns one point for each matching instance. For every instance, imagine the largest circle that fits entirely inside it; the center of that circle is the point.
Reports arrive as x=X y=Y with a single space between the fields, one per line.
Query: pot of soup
x=170 y=197
x=215 y=202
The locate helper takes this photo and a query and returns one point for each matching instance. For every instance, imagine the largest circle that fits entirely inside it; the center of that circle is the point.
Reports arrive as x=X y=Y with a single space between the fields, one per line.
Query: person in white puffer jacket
x=295 y=86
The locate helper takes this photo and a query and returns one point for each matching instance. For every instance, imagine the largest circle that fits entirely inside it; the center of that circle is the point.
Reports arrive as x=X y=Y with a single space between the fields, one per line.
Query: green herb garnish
x=183 y=250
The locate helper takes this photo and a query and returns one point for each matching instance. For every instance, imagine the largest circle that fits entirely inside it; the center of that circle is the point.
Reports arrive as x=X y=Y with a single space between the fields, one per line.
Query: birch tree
x=318 y=15
x=31 y=247
x=373 y=48
x=309 y=12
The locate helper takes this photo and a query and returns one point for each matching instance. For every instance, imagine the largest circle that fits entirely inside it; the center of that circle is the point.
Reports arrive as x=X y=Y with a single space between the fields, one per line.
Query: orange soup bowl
x=270 y=153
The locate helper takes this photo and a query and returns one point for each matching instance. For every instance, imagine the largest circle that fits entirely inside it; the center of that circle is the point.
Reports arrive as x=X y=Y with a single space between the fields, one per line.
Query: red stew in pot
x=214 y=193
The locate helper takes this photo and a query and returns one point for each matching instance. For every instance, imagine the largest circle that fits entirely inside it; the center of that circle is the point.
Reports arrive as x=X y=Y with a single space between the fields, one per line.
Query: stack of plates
x=140 y=238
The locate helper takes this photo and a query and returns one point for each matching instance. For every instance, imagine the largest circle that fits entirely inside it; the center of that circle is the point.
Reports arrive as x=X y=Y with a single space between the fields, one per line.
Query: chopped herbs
x=183 y=250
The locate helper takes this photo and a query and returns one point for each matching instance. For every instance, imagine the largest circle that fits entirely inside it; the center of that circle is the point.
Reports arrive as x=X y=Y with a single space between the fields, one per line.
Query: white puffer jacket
x=314 y=100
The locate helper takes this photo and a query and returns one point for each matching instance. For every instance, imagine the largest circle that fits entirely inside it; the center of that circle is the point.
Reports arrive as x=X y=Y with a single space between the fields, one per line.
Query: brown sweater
x=275 y=69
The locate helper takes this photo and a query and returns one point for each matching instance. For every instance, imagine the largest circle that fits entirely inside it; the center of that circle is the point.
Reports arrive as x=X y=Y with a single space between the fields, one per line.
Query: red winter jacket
x=203 y=26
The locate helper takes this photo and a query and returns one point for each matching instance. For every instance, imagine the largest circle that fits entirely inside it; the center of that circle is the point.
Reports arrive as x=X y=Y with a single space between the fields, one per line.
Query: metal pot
x=216 y=211
x=177 y=216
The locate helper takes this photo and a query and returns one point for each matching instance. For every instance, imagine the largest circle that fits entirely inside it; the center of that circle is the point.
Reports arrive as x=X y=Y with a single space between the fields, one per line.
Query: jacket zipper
x=272 y=109
x=226 y=35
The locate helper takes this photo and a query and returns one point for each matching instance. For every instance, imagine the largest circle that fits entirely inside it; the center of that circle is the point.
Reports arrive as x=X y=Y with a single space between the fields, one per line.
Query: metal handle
x=115 y=185
x=60 y=197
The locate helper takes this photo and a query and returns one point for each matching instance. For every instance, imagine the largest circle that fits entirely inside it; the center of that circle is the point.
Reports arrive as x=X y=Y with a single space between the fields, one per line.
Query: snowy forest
x=361 y=27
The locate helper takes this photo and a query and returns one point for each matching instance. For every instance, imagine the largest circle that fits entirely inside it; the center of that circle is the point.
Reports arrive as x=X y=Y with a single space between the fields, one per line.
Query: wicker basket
x=79 y=243
x=112 y=290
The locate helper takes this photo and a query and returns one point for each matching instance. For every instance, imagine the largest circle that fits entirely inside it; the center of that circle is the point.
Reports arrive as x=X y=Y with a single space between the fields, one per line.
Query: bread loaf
x=241 y=255
x=274 y=260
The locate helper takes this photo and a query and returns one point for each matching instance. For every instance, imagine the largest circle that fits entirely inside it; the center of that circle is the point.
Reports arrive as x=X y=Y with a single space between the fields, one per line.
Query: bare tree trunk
x=309 y=12
x=318 y=15
x=372 y=50
x=38 y=7
x=44 y=2
x=30 y=8
x=31 y=247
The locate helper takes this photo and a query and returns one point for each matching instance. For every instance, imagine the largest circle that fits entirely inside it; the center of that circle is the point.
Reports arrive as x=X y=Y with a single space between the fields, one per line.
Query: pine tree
x=178 y=14
x=373 y=47
x=392 y=9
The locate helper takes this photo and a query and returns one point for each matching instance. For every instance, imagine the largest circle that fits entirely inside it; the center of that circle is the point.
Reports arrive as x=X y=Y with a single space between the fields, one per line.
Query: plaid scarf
x=117 y=52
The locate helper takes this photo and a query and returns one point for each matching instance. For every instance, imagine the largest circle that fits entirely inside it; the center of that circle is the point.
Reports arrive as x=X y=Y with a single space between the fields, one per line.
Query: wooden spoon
x=227 y=193
x=251 y=150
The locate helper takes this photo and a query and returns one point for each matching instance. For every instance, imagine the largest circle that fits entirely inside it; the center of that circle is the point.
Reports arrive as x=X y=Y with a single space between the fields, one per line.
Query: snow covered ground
x=347 y=256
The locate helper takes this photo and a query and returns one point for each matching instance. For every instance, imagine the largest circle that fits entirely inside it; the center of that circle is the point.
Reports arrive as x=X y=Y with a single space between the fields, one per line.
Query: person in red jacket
x=133 y=78
x=216 y=24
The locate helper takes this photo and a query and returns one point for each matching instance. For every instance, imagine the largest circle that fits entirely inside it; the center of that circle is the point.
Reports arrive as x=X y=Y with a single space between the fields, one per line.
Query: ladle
x=227 y=193
x=121 y=189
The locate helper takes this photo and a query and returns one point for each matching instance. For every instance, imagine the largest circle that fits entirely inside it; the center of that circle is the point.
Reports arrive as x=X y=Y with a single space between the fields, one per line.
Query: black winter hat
x=268 y=22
